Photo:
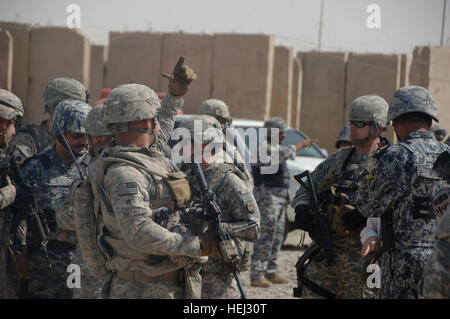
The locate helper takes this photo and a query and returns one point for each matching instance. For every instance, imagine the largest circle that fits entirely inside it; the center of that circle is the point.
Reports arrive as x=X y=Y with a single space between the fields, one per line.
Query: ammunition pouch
x=229 y=251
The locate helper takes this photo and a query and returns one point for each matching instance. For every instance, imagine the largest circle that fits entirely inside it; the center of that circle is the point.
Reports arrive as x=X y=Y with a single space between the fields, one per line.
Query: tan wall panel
x=197 y=51
x=281 y=100
x=242 y=73
x=134 y=57
x=6 y=59
x=97 y=70
x=54 y=52
x=296 y=92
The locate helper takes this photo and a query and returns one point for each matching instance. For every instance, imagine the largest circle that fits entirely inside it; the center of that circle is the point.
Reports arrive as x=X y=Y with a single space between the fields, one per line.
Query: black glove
x=353 y=219
x=304 y=219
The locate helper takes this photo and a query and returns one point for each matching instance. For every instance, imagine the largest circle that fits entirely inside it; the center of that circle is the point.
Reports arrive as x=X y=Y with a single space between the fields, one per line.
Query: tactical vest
x=278 y=179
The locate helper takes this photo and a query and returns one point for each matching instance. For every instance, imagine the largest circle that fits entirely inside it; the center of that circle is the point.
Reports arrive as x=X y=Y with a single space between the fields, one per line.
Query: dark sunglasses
x=359 y=124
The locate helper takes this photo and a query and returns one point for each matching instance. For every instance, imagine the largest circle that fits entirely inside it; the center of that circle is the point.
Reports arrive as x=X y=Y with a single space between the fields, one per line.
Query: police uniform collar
x=419 y=134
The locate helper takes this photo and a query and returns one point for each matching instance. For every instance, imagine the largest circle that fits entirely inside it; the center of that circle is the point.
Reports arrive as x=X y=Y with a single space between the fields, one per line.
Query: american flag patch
x=129 y=188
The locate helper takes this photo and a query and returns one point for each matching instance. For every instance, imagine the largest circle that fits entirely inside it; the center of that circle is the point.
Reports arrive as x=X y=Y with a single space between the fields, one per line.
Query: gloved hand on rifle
x=304 y=220
x=181 y=78
x=353 y=220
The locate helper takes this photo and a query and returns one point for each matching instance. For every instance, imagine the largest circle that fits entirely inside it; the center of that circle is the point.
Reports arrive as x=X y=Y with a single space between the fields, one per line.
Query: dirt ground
x=287 y=259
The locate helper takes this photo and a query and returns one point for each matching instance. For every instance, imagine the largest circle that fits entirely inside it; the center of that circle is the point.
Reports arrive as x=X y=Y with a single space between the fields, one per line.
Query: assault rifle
x=223 y=237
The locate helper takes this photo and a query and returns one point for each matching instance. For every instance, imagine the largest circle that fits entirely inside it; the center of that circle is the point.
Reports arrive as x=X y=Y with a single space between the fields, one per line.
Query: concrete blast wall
x=6 y=59
x=197 y=51
x=379 y=74
x=322 y=103
x=134 y=57
x=97 y=70
x=21 y=41
x=297 y=76
x=54 y=52
x=430 y=68
x=242 y=73
x=281 y=101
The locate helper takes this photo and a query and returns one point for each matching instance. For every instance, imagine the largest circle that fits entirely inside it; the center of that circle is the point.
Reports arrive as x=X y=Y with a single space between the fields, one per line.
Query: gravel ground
x=287 y=259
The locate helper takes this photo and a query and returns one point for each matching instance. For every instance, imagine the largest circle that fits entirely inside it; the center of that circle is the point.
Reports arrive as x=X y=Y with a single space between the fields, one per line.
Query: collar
x=419 y=134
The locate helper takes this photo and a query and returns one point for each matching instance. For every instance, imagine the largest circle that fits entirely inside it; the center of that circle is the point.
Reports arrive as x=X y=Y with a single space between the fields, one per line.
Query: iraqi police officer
x=11 y=109
x=31 y=138
x=400 y=190
x=271 y=194
x=49 y=174
x=337 y=181
x=344 y=139
x=240 y=214
x=439 y=132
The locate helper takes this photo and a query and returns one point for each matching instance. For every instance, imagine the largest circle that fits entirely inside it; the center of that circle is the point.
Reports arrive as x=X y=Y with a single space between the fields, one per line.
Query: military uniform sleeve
x=372 y=229
x=22 y=147
x=246 y=218
x=388 y=181
x=167 y=113
x=128 y=190
x=286 y=152
x=7 y=197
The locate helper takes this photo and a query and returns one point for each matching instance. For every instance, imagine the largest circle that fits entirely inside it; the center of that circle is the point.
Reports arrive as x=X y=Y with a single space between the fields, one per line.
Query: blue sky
x=404 y=23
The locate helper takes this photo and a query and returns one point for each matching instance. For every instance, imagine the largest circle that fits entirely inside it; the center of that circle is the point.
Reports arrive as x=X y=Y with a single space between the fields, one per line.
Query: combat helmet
x=369 y=108
x=203 y=128
x=11 y=107
x=438 y=131
x=94 y=122
x=216 y=108
x=61 y=89
x=344 y=135
x=276 y=122
x=69 y=116
x=127 y=103
x=410 y=99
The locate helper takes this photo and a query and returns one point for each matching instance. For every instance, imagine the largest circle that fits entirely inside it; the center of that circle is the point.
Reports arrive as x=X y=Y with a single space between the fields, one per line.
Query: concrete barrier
x=134 y=57
x=54 y=52
x=242 y=73
x=322 y=113
x=21 y=40
x=197 y=51
x=296 y=92
x=281 y=100
x=97 y=70
x=6 y=59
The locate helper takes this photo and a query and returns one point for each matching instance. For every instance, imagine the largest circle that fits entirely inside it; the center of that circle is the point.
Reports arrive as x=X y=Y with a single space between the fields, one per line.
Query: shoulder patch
x=128 y=188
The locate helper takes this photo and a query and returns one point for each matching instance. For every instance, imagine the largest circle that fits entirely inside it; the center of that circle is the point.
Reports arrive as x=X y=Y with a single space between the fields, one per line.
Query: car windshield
x=294 y=136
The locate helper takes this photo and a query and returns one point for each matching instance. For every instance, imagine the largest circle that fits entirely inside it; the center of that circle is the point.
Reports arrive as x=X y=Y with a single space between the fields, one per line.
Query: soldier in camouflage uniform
x=32 y=139
x=133 y=182
x=438 y=132
x=344 y=139
x=240 y=212
x=219 y=110
x=50 y=174
x=271 y=194
x=99 y=137
x=11 y=109
x=345 y=170
x=400 y=190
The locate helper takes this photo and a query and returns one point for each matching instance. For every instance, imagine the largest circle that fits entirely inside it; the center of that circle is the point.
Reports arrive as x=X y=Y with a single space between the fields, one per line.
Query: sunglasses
x=359 y=124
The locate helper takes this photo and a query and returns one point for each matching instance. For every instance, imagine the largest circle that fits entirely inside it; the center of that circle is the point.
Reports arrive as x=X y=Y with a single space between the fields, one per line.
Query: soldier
x=401 y=188
x=344 y=139
x=219 y=110
x=32 y=139
x=50 y=174
x=133 y=182
x=438 y=132
x=99 y=137
x=340 y=176
x=11 y=109
x=240 y=212
x=271 y=194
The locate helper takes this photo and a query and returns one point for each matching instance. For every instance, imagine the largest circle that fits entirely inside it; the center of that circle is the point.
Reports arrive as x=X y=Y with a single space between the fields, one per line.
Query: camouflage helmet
x=70 y=116
x=410 y=99
x=344 y=135
x=276 y=122
x=11 y=107
x=127 y=103
x=61 y=89
x=216 y=108
x=438 y=131
x=369 y=108
x=203 y=128
x=94 y=122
